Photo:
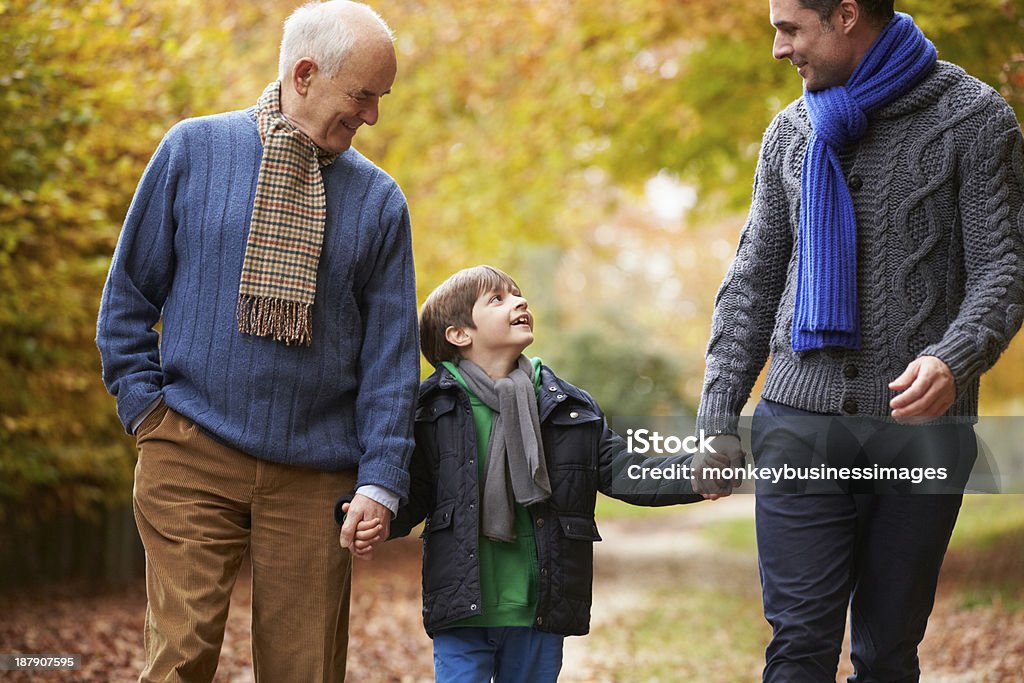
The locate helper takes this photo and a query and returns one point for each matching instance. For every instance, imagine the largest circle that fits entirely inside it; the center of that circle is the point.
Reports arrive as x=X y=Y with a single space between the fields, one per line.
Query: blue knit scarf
x=826 y=292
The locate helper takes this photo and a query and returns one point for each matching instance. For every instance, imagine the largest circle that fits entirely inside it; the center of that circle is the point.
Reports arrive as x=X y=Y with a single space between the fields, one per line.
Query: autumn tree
x=526 y=134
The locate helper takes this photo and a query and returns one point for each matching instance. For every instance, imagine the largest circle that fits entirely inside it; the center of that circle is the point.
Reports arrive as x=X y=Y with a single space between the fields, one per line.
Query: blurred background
x=600 y=152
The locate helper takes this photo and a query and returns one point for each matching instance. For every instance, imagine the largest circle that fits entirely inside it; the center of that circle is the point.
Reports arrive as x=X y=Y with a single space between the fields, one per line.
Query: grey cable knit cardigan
x=938 y=189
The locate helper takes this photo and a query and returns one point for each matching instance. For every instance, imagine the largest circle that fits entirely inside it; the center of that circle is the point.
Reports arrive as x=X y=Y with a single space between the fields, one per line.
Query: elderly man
x=278 y=261
x=881 y=268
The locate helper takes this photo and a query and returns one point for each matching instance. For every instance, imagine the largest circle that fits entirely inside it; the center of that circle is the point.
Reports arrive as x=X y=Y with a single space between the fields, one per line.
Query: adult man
x=278 y=261
x=881 y=267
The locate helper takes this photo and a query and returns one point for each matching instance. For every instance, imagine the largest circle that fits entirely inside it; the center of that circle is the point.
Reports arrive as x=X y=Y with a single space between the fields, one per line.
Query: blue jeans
x=511 y=654
x=878 y=554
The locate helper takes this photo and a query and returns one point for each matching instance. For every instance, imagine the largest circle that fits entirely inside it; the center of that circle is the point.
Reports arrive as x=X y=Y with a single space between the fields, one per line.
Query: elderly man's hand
x=928 y=390
x=728 y=455
x=367 y=523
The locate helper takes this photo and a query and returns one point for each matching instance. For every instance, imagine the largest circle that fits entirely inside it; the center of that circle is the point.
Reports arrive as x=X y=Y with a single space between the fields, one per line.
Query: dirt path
x=638 y=556
x=638 y=559
x=981 y=643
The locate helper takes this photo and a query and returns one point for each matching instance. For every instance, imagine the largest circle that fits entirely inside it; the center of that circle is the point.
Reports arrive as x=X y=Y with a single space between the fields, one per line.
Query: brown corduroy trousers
x=199 y=505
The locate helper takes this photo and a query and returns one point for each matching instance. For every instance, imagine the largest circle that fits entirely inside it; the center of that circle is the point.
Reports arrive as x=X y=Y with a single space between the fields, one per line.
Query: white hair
x=319 y=31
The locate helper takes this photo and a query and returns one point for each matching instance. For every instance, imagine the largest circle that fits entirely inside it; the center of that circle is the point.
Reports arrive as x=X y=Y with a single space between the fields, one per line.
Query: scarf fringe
x=290 y=322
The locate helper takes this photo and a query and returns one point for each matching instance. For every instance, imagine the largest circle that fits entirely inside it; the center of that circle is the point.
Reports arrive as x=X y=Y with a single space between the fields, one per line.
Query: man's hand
x=928 y=390
x=367 y=533
x=728 y=454
x=367 y=523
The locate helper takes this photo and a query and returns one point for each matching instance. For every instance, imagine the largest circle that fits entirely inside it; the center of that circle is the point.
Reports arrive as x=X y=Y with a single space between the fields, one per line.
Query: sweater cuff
x=131 y=406
x=716 y=415
x=147 y=411
x=960 y=353
x=385 y=475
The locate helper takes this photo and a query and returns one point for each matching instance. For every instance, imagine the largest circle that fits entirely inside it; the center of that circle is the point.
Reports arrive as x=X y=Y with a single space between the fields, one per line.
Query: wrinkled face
x=333 y=108
x=503 y=324
x=824 y=57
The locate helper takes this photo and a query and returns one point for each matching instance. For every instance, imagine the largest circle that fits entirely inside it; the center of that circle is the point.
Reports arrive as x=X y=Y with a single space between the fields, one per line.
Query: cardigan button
x=544 y=571
x=850 y=406
x=855 y=182
x=540 y=521
x=540 y=620
x=850 y=371
x=472 y=608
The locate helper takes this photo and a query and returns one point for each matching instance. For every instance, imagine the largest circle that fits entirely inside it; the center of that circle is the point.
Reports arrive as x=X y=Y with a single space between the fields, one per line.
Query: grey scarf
x=515 y=454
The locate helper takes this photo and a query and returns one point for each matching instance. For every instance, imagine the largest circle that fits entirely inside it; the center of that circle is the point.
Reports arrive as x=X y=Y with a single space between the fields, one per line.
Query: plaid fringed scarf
x=278 y=286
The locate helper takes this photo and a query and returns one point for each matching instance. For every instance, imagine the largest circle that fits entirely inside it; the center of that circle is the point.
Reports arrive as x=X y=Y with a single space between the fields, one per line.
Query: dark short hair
x=879 y=12
x=451 y=304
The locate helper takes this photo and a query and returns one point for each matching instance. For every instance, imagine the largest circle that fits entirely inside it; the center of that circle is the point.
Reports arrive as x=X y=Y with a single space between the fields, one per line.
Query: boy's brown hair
x=451 y=305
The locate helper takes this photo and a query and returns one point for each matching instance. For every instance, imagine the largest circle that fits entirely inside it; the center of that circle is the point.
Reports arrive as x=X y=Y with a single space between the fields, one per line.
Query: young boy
x=509 y=459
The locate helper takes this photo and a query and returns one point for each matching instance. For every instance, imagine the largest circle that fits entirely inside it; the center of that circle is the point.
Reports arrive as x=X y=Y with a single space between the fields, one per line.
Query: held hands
x=367 y=523
x=728 y=454
x=928 y=390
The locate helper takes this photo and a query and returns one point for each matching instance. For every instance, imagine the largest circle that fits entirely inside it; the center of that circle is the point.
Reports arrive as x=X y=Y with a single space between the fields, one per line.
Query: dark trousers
x=876 y=553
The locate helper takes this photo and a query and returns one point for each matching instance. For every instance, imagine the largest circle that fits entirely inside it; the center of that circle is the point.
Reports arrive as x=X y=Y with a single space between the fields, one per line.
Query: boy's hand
x=367 y=523
x=368 y=532
x=728 y=454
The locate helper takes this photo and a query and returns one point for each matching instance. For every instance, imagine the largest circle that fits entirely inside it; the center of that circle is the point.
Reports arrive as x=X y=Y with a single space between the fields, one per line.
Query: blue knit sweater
x=347 y=400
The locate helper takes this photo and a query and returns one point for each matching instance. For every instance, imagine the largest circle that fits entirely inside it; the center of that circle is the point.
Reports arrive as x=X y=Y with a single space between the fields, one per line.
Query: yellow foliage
x=518 y=130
